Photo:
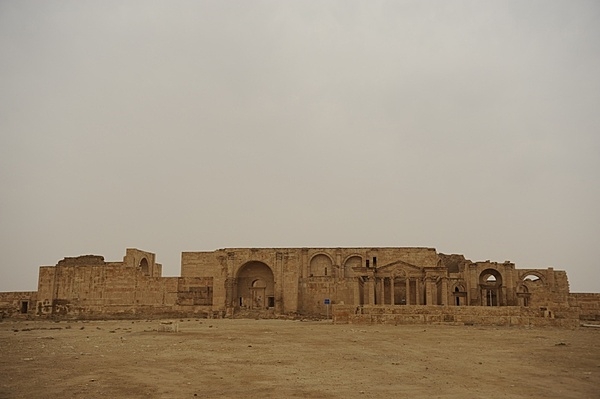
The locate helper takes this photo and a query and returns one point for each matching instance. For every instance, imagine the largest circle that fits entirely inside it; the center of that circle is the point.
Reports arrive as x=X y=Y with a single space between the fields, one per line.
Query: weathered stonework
x=396 y=285
x=13 y=304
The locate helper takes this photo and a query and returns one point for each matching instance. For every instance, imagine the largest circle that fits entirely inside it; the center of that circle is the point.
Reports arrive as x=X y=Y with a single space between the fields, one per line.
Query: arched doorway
x=255 y=286
x=490 y=283
x=460 y=295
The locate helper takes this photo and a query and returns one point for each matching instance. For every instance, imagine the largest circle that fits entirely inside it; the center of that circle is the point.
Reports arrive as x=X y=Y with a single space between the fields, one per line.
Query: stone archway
x=144 y=267
x=350 y=263
x=321 y=265
x=258 y=292
x=490 y=284
x=255 y=286
x=460 y=295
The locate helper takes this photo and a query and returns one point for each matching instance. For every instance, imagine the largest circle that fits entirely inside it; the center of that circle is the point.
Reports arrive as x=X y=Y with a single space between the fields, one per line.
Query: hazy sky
x=471 y=127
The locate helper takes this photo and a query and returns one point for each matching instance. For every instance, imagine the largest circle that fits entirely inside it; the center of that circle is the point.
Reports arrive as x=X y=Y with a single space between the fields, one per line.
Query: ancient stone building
x=356 y=284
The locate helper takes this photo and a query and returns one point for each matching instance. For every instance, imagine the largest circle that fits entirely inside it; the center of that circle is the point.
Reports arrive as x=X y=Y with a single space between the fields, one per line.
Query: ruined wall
x=333 y=273
x=588 y=305
x=313 y=292
x=87 y=285
x=209 y=265
x=17 y=304
x=142 y=260
x=235 y=270
x=296 y=280
x=465 y=315
x=300 y=279
x=194 y=291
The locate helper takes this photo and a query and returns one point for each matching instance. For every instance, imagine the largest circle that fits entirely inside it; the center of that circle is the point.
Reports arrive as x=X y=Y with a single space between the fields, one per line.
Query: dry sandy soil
x=283 y=358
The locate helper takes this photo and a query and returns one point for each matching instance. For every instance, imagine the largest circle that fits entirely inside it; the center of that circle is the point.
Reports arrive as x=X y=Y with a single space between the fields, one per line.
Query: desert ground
x=224 y=358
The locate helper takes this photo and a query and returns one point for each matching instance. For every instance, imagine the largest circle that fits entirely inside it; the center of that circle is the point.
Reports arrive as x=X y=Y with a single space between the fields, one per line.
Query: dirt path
x=279 y=359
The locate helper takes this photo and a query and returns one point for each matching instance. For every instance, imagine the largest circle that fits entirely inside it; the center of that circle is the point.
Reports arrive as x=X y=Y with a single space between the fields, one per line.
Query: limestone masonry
x=354 y=285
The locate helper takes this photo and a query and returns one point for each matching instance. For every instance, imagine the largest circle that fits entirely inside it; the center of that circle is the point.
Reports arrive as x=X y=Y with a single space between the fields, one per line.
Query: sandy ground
x=283 y=358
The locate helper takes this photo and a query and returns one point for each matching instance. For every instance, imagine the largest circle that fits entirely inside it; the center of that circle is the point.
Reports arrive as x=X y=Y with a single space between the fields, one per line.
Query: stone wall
x=87 y=286
x=17 y=304
x=314 y=290
x=588 y=304
x=301 y=277
x=462 y=315
x=277 y=281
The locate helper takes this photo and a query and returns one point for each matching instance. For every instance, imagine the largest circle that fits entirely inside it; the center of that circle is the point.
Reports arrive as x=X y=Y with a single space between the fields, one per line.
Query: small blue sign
x=327 y=301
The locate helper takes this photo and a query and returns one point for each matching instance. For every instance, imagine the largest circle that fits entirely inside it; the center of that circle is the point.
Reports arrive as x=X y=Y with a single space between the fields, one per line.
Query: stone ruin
x=353 y=285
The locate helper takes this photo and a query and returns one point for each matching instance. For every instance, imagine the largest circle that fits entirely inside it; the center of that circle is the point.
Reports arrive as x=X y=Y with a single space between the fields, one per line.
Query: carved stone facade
x=289 y=281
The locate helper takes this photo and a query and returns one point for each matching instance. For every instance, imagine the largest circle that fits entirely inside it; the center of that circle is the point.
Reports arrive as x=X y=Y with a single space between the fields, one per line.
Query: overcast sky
x=470 y=127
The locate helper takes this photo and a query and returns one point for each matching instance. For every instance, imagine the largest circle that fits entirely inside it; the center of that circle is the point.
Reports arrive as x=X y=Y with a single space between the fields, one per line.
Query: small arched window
x=144 y=267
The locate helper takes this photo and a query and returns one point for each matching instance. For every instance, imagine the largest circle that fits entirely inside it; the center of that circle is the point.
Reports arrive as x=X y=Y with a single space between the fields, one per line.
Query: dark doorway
x=491 y=298
x=24 y=306
x=271 y=302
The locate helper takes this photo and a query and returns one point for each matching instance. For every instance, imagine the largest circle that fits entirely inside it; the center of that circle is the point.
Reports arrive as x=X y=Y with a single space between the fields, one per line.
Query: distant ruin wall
x=314 y=290
x=377 y=285
x=588 y=304
x=17 y=304
x=74 y=288
x=463 y=315
x=153 y=297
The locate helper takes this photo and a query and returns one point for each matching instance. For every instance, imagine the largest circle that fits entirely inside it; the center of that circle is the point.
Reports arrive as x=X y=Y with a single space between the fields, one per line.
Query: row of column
x=377 y=287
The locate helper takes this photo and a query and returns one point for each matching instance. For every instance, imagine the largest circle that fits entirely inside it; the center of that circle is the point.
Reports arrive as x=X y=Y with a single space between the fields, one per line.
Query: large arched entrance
x=255 y=286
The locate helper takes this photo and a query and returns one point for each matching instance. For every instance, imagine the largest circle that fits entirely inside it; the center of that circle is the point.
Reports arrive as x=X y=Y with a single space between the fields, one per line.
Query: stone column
x=475 y=292
x=229 y=300
x=407 y=290
x=229 y=280
x=304 y=263
x=509 y=279
x=279 y=289
x=392 y=299
x=444 y=291
x=357 y=299
x=418 y=289
x=370 y=291
x=429 y=291
x=381 y=295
